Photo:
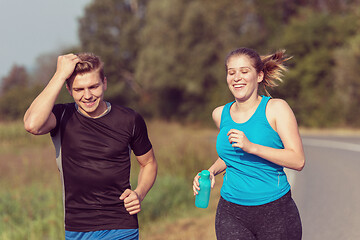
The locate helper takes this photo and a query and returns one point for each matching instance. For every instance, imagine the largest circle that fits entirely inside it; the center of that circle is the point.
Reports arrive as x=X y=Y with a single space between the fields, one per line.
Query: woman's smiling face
x=241 y=77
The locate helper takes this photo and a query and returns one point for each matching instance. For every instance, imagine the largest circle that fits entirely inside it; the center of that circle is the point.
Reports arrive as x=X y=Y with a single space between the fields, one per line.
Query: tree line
x=166 y=57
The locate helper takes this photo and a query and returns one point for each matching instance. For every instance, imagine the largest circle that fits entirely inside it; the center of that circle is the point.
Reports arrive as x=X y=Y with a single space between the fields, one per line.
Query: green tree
x=329 y=6
x=18 y=77
x=347 y=81
x=346 y=76
x=14 y=102
x=44 y=70
x=312 y=37
x=16 y=95
x=110 y=29
x=45 y=67
x=273 y=15
x=167 y=55
x=181 y=63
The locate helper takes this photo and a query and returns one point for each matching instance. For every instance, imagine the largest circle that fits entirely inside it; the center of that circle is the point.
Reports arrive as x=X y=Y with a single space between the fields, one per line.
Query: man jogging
x=93 y=140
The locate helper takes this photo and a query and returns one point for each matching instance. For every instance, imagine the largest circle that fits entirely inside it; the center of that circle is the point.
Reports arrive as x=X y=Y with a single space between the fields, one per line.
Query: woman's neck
x=247 y=105
x=241 y=111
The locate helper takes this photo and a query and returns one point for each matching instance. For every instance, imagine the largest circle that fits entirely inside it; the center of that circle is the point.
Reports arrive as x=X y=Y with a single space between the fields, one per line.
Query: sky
x=29 y=29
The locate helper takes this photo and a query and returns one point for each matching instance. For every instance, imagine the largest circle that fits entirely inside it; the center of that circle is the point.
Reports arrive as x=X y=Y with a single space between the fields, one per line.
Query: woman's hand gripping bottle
x=203 y=196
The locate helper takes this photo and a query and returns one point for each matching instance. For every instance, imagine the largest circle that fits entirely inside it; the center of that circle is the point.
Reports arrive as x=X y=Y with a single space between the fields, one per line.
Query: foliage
x=18 y=77
x=347 y=81
x=180 y=66
x=313 y=38
x=15 y=101
x=30 y=195
x=45 y=68
x=110 y=29
x=25 y=213
x=165 y=57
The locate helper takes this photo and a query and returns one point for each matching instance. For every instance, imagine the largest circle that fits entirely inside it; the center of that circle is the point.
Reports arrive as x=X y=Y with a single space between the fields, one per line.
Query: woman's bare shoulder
x=216 y=115
x=277 y=105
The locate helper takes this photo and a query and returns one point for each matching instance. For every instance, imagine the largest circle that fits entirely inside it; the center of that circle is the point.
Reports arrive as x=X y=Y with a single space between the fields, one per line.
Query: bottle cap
x=204 y=173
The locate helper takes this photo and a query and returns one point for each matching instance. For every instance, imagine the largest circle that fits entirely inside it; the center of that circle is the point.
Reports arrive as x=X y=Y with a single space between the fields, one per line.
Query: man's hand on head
x=66 y=65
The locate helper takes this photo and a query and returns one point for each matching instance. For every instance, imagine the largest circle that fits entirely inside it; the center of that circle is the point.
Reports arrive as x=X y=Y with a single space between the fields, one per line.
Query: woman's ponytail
x=273 y=69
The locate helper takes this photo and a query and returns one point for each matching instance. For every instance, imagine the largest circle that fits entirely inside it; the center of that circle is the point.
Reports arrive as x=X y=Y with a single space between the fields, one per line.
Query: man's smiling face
x=88 y=92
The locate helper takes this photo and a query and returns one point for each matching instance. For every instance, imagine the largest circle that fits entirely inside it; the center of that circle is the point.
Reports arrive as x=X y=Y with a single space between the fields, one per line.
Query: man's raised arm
x=39 y=118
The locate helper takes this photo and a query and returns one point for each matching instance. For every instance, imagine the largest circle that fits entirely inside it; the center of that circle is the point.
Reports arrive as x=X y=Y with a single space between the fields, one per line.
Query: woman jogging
x=258 y=137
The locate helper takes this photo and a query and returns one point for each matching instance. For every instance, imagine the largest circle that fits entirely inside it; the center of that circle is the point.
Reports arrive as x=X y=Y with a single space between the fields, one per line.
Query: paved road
x=327 y=191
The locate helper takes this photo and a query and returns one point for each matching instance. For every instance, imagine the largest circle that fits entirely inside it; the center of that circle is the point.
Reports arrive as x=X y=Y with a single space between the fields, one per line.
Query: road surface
x=327 y=191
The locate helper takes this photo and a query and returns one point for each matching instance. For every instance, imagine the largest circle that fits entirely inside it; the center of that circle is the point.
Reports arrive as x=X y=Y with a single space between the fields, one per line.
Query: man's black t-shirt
x=93 y=156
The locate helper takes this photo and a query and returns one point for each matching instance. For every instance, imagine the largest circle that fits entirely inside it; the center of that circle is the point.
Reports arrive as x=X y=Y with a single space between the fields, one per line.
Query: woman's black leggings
x=277 y=220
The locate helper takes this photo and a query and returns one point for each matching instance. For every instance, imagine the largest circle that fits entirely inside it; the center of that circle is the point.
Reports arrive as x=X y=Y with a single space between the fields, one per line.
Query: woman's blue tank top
x=250 y=180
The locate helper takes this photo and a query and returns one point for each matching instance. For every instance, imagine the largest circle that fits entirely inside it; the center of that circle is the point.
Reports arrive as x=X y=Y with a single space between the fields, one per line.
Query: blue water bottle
x=203 y=196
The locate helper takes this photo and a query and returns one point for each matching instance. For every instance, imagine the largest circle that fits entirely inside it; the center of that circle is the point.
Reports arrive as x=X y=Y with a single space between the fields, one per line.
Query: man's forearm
x=146 y=179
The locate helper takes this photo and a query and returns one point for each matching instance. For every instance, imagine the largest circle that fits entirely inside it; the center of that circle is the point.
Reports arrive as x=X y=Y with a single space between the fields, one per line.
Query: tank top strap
x=225 y=115
x=262 y=106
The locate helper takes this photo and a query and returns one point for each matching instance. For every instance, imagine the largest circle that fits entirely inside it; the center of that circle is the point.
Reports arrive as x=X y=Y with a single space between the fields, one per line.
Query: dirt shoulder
x=196 y=224
x=184 y=229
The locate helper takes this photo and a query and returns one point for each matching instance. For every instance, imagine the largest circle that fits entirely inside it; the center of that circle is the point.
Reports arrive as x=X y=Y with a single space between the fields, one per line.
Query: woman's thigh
x=276 y=220
x=279 y=220
x=228 y=225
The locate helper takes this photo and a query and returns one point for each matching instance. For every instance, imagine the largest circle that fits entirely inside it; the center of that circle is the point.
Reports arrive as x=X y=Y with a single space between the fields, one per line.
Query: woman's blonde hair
x=271 y=65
